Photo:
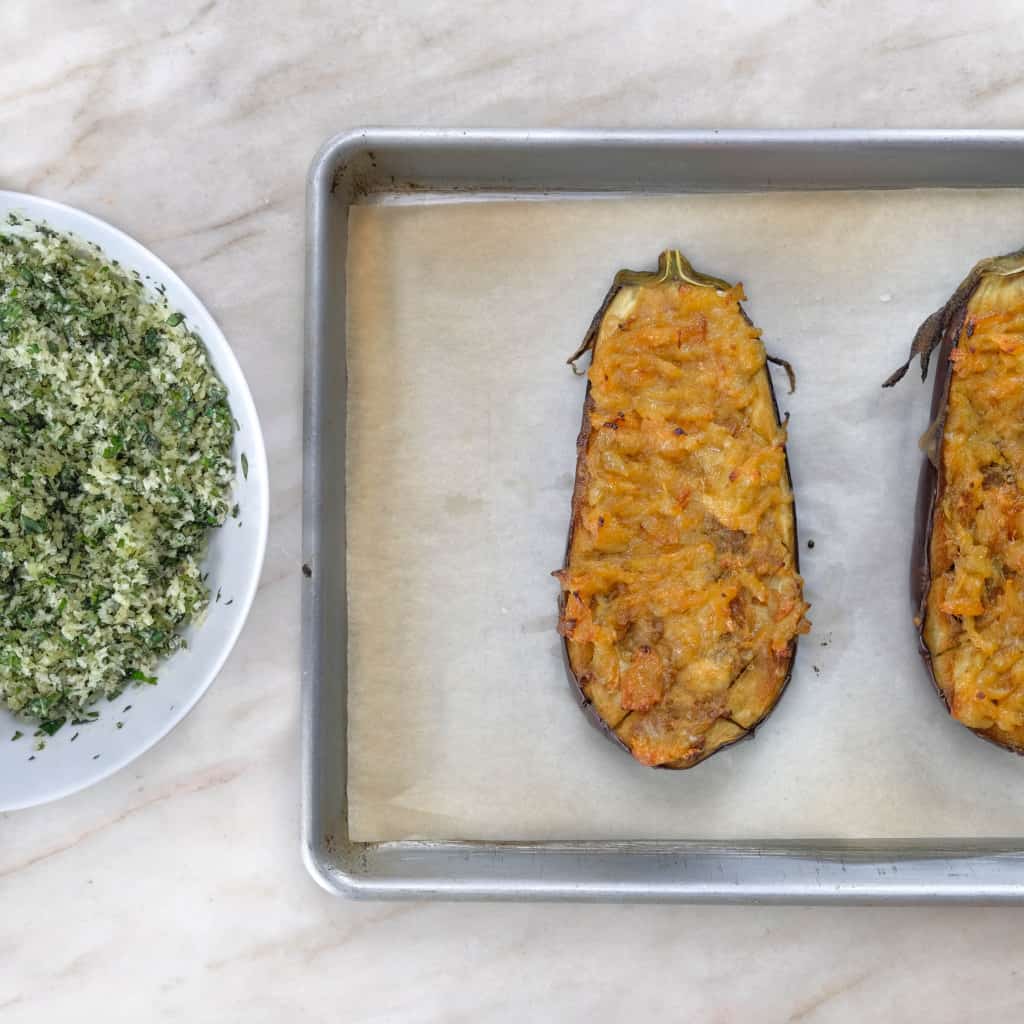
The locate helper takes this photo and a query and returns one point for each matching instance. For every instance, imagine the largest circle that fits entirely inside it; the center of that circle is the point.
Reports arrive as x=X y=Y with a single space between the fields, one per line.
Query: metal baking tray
x=416 y=163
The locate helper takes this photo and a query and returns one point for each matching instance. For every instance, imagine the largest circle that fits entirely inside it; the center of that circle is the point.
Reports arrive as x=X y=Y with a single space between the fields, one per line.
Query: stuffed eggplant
x=681 y=601
x=967 y=571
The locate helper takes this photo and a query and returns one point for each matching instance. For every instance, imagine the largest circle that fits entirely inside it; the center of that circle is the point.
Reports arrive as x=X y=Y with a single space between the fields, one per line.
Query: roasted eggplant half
x=967 y=566
x=680 y=599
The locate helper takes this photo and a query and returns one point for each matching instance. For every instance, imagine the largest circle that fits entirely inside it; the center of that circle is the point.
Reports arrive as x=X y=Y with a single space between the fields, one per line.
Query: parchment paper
x=462 y=418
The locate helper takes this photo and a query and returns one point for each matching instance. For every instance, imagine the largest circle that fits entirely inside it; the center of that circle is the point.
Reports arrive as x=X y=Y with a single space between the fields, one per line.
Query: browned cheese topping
x=974 y=614
x=682 y=600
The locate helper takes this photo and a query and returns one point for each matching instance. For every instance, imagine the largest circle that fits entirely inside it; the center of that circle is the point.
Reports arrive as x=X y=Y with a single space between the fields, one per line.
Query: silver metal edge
x=319 y=185
x=804 y=872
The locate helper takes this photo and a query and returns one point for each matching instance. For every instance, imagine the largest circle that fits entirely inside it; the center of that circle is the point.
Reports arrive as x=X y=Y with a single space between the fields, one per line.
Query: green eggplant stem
x=672 y=266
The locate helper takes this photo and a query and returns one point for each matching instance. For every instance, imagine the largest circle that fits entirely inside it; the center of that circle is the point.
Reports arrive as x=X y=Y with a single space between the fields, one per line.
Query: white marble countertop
x=175 y=890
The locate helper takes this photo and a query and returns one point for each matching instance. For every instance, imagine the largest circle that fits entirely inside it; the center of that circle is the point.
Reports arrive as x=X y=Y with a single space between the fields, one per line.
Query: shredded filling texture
x=974 y=612
x=682 y=601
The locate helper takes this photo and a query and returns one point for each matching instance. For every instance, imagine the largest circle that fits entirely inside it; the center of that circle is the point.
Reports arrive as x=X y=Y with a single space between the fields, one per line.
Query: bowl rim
x=145 y=261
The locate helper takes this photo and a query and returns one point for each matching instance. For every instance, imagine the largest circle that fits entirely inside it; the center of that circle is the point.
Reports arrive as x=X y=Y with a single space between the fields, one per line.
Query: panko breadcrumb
x=115 y=463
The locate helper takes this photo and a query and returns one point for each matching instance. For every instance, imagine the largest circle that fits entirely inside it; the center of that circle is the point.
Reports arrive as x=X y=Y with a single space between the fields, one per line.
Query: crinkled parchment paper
x=462 y=418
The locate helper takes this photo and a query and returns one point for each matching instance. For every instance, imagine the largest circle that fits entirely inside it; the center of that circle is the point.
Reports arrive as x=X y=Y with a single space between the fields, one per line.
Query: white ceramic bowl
x=234 y=562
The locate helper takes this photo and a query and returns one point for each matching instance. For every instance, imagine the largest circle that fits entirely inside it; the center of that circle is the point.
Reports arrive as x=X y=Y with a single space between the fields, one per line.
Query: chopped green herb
x=120 y=725
x=115 y=447
x=17 y=735
x=29 y=525
x=116 y=459
x=245 y=466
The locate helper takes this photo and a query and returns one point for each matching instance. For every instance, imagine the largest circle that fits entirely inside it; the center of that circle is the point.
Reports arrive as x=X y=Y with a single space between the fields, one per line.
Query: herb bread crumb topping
x=115 y=463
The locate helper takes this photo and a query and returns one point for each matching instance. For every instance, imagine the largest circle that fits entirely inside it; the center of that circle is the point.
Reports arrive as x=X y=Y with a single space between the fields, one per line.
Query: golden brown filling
x=682 y=597
x=974 y=618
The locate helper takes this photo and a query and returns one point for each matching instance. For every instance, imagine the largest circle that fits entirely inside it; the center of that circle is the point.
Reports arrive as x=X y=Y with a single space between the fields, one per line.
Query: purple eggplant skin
x=623 y=279
x=941 y=331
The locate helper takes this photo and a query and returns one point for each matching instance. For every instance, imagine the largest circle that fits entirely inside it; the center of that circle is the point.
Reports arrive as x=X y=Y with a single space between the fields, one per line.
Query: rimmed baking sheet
x=430 y=530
